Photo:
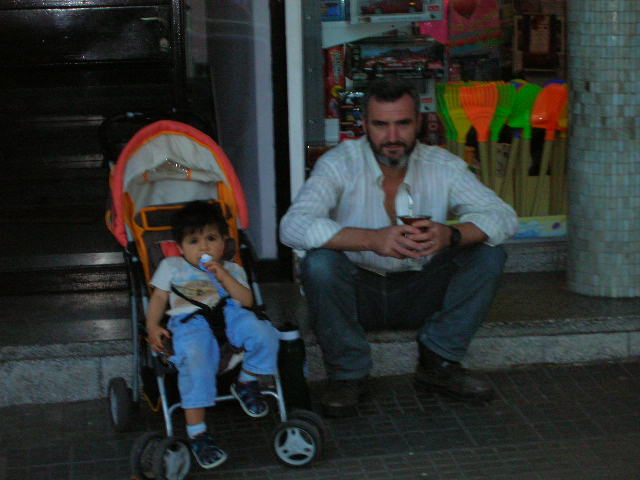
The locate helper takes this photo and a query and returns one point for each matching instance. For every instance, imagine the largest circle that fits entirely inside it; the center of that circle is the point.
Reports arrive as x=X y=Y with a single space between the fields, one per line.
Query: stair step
x=63 y=273
x=32 y=263
x=69 y=214
x=78 y=342
x=536 y=255
x=58 y=345
x=78 y=279
x=66 y=318
x=33 y=140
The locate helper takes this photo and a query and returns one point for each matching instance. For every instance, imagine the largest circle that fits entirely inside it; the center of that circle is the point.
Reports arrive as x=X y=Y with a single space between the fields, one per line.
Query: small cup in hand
x=411 y=219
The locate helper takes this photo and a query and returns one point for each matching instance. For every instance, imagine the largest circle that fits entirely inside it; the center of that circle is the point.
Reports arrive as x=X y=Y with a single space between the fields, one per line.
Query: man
x=364 y=270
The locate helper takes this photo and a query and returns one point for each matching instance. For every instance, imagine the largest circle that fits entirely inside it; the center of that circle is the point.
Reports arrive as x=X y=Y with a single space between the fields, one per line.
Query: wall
x=239 y=56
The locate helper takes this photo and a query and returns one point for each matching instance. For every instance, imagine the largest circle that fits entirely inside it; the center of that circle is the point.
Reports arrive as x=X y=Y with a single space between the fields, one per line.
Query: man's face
x=391 y=128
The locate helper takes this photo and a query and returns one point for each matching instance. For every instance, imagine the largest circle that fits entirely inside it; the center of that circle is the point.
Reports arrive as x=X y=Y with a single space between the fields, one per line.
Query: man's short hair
x=196 y=215
x=389 y=89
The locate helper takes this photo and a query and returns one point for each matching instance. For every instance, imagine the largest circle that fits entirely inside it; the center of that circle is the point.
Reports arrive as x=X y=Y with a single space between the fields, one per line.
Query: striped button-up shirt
x=345 y=190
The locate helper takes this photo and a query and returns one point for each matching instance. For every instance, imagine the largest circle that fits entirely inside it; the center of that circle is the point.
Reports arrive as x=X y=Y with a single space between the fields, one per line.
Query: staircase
x=52 y=209
x=64 y=286
x=66 y=346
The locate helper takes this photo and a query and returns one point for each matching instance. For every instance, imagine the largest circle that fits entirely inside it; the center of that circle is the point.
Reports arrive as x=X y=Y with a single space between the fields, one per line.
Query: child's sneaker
x=250 y=398
x=206 y=452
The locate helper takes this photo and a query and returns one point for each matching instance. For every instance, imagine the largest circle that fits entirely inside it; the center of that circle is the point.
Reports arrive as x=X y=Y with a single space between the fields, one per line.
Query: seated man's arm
x=484 y=216
x=308 y=224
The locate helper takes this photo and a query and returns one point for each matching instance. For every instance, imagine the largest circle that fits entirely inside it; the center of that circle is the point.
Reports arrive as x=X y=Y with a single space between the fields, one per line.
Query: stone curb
x=82 y=371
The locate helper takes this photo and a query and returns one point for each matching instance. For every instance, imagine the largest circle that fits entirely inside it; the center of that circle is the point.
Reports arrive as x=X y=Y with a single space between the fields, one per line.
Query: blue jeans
x=446 y=302
x=197 y=354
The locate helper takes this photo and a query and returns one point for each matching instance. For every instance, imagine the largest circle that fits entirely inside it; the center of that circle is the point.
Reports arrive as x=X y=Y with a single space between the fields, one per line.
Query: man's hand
x=433 y=236
x=424 y=237
x=398 y=241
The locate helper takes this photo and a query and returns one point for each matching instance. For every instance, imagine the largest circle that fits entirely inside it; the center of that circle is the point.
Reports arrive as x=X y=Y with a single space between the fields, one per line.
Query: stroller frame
x=296 y=441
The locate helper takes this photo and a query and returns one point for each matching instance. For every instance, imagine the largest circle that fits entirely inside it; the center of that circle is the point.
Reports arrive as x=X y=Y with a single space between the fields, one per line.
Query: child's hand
x=216 y=268
x=157 y=336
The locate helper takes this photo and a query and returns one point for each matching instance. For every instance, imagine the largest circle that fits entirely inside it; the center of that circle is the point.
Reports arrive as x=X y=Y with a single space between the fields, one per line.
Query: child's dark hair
x=194 y=216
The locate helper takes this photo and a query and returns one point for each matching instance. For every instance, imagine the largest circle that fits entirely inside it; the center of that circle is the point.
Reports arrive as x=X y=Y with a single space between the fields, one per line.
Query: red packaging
x=434 y=134
x=333 y=79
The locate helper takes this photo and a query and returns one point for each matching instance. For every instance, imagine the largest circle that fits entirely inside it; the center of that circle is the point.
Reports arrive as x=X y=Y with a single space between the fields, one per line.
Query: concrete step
x=80 y=272
x=534 y=319
x=536 y=255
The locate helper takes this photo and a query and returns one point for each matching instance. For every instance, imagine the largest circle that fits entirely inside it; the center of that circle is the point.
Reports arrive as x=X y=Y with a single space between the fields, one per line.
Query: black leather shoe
x=450 y=378
x=342 y=397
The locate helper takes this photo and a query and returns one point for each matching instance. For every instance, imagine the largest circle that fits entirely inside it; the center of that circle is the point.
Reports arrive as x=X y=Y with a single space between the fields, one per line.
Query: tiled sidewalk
x=548 y=422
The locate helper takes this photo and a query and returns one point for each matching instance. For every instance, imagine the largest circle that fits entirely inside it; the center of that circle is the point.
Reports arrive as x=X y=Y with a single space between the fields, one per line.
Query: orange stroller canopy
x=169 y=162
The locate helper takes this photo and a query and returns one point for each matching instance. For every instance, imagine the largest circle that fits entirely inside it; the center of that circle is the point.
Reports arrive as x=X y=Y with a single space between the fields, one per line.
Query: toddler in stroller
x=163 y=169
x=200 y=229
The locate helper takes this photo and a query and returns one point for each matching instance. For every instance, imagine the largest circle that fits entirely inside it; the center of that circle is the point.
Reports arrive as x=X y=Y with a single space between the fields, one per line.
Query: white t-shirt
x=191 y=282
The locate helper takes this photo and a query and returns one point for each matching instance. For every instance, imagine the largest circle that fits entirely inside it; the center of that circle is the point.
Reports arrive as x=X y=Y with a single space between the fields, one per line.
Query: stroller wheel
x=141 y=458
x=296 y=443
x=171 y=459
x=313 y=418
x=120 y=404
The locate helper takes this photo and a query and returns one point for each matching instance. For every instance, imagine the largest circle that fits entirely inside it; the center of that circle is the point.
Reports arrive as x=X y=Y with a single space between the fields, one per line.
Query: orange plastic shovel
x=479 y=103
x=546 y=114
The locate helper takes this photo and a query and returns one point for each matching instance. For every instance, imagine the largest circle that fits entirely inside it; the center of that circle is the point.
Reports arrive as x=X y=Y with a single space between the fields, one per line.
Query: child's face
x=209 y=240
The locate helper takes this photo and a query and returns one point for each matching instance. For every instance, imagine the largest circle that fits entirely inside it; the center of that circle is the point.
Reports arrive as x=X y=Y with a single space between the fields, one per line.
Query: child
x=200 y=228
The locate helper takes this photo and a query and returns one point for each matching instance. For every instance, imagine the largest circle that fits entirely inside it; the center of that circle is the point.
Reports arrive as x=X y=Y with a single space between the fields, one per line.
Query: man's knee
x=494 y=259
x=322 y=265
x=486 y=259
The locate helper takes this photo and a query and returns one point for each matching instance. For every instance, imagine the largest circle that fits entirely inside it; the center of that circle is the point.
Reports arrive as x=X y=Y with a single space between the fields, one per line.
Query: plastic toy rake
x=443 y=111
x=479 y=103
x=458 y=116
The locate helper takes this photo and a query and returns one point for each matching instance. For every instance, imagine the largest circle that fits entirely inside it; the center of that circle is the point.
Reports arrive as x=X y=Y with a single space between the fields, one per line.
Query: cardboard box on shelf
x=542 y=227
x=334 y=10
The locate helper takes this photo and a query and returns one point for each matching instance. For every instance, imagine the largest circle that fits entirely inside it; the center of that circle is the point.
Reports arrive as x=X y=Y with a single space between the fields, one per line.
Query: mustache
x=394 y=144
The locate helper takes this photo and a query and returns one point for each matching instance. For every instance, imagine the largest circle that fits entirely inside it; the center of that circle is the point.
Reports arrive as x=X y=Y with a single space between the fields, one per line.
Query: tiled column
x=604 y=147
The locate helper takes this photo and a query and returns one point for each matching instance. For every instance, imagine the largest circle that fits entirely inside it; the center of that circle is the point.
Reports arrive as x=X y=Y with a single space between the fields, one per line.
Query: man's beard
x=388 y=161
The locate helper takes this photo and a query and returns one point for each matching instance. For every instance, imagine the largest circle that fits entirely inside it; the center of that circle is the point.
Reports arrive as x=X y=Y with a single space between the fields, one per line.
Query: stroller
x=164 y=165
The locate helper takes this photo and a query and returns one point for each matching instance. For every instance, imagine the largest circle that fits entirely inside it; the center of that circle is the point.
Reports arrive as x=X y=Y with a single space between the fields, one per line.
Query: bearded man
x=364 y=269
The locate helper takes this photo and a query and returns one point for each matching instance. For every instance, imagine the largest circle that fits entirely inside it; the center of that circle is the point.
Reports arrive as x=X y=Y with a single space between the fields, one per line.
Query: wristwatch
x=456 y=236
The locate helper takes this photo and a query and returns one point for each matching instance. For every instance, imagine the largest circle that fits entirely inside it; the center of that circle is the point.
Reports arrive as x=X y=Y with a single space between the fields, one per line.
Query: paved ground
x=548 y=422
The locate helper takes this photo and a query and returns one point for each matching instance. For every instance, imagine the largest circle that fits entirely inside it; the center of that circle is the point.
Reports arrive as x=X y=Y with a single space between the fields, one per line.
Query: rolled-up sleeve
x=475 y=203
x=307 y=223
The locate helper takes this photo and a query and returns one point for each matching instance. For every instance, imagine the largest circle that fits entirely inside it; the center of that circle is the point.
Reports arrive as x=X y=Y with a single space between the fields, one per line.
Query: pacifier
x=205 y=258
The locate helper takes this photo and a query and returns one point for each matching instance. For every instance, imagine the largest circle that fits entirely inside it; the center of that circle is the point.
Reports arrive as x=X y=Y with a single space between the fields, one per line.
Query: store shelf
x=337 y=33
